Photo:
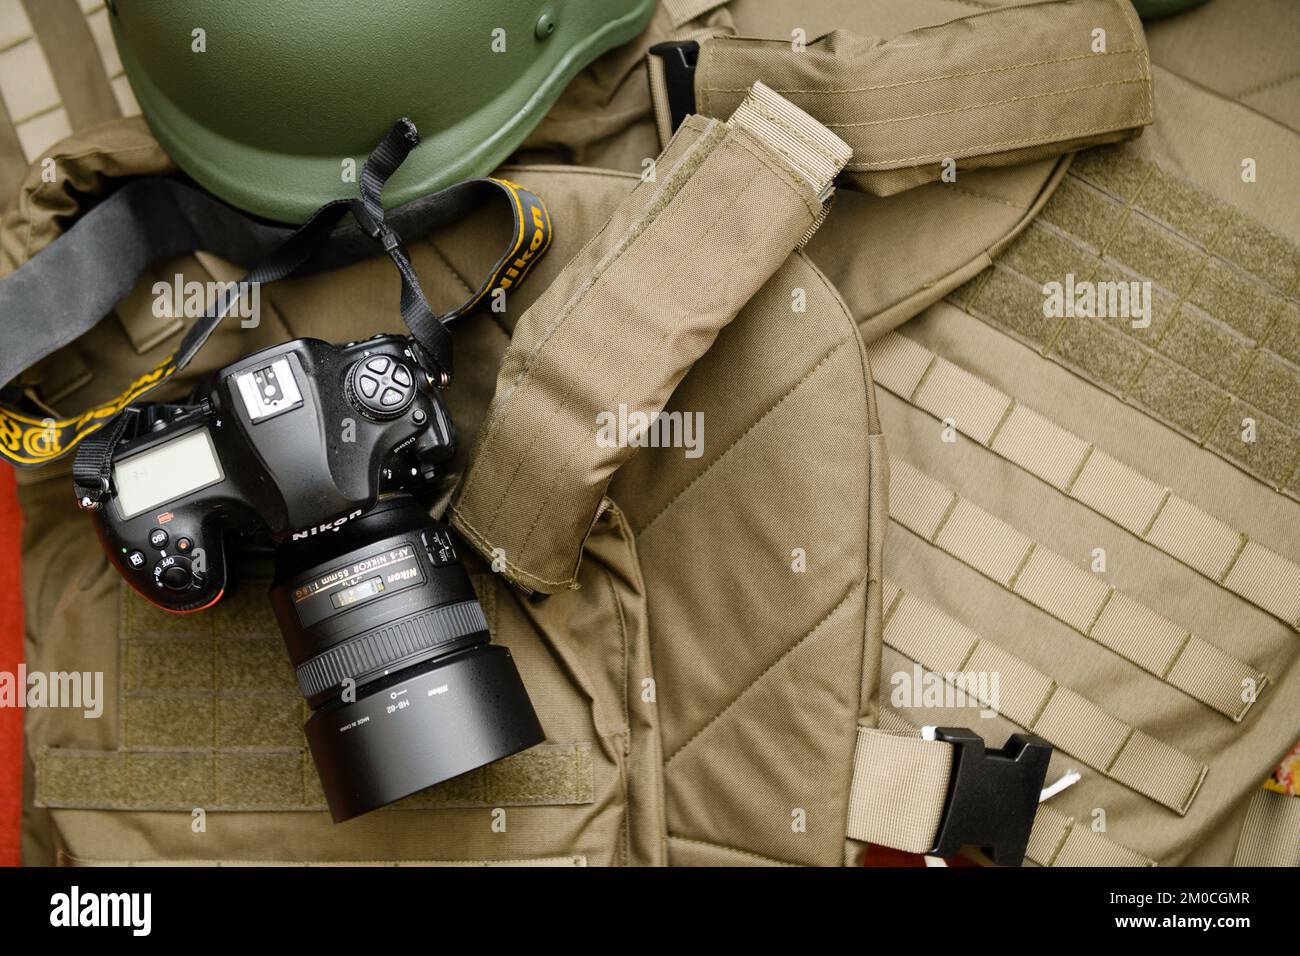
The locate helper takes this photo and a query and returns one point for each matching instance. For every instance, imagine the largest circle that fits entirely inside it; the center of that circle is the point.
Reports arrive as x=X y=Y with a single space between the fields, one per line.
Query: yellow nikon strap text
x=532 y=237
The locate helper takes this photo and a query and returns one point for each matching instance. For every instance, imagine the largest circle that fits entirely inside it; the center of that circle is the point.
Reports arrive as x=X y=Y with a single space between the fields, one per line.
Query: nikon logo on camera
x=327 y=526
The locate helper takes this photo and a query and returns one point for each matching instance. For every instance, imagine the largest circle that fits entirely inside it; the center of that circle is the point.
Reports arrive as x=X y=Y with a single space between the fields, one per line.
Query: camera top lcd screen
x=166 y=472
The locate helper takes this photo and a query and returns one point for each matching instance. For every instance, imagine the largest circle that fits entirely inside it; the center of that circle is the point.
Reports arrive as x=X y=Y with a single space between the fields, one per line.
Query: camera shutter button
x=175 y=573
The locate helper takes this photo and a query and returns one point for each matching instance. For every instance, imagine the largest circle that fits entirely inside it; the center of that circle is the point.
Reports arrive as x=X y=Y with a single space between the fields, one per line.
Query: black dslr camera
x=325 y=448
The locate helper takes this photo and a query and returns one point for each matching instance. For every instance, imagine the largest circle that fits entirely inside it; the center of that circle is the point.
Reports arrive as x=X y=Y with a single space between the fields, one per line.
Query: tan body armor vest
x=737 y=649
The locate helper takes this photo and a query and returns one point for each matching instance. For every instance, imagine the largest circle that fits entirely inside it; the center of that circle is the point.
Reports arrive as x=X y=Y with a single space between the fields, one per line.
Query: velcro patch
x=1216 y=356
x=212 y=718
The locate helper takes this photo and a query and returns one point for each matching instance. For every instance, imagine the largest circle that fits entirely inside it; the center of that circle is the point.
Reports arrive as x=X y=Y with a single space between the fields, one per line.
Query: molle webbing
x=1072 y=595
x=1058 y=839
x=998 y=88
x=59 y=72
x=626 y=319
x=1027 y=696
x=900 y=784
x=1081 y=470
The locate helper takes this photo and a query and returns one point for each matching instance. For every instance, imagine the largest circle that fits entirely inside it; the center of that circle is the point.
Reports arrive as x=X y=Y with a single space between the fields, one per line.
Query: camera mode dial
x=381 y=387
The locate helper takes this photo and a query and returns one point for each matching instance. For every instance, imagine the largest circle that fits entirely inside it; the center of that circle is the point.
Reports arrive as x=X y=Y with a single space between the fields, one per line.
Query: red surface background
x=11 y=653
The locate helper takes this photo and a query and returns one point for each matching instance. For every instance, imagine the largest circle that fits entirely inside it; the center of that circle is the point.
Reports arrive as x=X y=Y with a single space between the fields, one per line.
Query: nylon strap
x=93 y=461
x=1058 y=839
x=900 y=783
x=149 y=221
x=433 y=337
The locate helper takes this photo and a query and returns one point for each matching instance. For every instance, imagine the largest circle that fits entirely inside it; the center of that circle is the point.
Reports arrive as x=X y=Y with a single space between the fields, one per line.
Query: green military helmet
x=263 y=103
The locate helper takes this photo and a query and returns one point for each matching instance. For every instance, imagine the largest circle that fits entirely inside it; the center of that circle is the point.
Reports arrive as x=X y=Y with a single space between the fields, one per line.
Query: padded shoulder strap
x=621 y=325
x=1001 y=87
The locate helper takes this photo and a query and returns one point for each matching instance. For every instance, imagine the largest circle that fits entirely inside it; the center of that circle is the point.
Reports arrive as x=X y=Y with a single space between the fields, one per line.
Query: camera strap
x=149 y=221
x=426 y=328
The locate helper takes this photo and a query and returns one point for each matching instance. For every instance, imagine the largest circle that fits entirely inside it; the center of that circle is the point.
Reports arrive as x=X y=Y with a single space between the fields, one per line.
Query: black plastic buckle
x=375 y=229
x=680 y=58
x=992 y=794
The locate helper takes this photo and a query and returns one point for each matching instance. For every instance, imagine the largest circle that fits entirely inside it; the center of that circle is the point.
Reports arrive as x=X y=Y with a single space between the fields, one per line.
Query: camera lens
x=392 y=653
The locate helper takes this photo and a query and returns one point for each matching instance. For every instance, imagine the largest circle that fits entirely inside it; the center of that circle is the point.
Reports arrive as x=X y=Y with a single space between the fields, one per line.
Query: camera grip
x=178 y=565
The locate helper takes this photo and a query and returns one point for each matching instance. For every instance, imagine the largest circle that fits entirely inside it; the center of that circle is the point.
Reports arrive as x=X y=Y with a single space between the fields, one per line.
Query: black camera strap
x=426 y=328
x=94 y=460
x=148 y=221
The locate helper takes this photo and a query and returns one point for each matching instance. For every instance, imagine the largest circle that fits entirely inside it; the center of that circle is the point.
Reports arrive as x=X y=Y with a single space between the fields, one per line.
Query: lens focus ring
x=394 y=644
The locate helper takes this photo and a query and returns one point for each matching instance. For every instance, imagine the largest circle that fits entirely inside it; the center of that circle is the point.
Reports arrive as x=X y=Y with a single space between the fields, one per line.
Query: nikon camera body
x=325 y=449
